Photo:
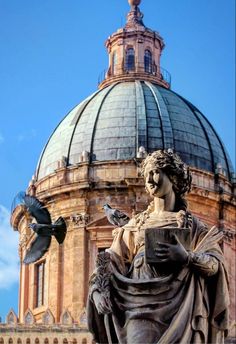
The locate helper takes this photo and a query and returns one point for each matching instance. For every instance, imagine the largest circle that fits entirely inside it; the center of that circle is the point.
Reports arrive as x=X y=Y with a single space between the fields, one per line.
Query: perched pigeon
x=44 y=228
x=115 y=216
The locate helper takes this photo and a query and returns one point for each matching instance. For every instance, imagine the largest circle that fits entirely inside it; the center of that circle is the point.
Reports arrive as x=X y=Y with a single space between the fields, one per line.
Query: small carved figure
x=182 y=297
x=115 y=216
x=80 y=219
x=44 y=228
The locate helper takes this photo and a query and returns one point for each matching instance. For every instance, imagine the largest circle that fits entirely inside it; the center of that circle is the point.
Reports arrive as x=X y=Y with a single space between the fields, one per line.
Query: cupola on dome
x=134 y=108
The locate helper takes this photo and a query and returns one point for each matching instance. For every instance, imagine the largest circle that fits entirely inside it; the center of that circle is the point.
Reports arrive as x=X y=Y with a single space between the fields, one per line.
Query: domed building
x=93 y=158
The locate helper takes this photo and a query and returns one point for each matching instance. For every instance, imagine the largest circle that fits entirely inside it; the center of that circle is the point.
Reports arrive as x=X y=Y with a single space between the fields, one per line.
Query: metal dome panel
x=114 y=122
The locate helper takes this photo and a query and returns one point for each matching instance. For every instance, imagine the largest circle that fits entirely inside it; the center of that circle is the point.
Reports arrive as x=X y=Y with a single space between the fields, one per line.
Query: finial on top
x=134 y=2
x=134 y=17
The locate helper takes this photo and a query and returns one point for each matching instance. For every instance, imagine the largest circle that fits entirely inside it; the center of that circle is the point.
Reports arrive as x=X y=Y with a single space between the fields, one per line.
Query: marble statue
x=179 y=296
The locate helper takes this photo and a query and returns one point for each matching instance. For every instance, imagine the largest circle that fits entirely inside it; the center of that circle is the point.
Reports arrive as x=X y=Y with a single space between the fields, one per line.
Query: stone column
x=79 y=264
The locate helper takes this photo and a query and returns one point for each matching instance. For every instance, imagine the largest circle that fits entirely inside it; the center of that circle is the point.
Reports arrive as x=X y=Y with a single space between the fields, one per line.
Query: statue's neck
x=166 y=203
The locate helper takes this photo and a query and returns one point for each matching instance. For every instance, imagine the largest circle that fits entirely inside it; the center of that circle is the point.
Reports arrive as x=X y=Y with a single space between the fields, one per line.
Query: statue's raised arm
x=163 y=279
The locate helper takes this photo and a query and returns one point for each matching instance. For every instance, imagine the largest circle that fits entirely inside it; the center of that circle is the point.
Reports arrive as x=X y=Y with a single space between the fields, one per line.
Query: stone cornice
x=56 y=328
x=132 y=76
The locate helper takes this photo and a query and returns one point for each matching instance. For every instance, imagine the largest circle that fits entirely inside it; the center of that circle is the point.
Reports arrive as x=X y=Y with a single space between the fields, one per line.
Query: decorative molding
x=66 y=318
x=83 y=318
x=24 y=240
x=229 y=234
x=200 y=191
x=48 y=318
x=29 y=318
x=80 y=219
x=11 y=318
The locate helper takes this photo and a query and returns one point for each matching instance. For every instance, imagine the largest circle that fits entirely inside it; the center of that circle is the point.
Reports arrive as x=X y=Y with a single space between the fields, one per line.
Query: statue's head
x=168 y=164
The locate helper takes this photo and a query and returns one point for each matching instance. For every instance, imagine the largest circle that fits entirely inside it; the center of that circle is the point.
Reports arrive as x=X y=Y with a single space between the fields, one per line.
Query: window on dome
x=148 y=61
x=114 y=62
x=130 y=61
x=40 y=281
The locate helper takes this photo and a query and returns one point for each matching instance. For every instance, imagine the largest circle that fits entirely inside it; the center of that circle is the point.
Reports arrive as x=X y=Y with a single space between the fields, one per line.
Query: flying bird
x=44 y=228
x=115 y=216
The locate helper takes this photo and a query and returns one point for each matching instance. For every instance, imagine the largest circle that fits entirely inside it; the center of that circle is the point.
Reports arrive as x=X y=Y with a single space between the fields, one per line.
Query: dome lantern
x=135 y=52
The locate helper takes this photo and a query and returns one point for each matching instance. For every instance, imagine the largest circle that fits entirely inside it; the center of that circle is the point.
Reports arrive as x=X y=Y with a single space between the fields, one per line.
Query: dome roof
x=115 y=121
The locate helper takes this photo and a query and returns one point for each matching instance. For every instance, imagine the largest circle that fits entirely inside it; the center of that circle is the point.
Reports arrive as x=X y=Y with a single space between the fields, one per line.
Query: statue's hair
x=178 y=173
x=170 y=163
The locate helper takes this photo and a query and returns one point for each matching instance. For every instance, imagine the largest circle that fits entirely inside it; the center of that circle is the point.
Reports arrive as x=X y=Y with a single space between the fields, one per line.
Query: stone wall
x=78 y=194
x=57 y=334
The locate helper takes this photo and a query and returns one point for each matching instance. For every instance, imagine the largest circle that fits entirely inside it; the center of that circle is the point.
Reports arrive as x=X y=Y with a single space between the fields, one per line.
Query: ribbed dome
x=114 y=122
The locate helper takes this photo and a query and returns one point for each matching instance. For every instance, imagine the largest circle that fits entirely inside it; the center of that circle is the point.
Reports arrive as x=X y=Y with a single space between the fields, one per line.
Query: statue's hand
x=175 y=252
x=102 y=303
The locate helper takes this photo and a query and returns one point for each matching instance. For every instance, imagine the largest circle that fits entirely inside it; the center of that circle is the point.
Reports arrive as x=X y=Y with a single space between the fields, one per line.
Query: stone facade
x=39 y=334
x=77 y=194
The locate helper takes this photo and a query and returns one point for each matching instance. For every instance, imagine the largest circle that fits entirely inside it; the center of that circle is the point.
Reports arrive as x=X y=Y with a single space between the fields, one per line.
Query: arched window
x=40 y=284
x=114 y=62
x=27 y=341
x=36 y=341
x=10 y=341
x=65 y=341
x=19 y=341
x=1 y=340
x=55 y=341
x=148 y=61
x=46 y=341
x=84 y=341
x=130 y=59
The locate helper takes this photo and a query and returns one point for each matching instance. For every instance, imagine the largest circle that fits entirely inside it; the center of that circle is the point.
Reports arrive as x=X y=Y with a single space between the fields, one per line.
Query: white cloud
x=27 y=136
x=9 y=260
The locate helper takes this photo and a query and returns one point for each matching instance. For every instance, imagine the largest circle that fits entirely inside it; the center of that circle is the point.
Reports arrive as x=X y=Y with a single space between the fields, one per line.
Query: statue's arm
x=204 y=263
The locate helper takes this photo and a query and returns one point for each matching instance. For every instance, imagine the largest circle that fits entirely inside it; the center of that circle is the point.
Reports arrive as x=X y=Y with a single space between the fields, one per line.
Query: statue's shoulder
x=131 y=225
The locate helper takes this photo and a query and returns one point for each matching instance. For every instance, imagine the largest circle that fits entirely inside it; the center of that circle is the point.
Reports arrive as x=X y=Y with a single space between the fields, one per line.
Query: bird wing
x=120 y=215
x=112 y=219
x=37 y=210
x=18 y=200
x=37 y=249
x=59 y=229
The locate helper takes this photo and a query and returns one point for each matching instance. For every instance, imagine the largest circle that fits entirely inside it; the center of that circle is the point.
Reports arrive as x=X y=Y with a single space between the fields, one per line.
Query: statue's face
x=157 y=182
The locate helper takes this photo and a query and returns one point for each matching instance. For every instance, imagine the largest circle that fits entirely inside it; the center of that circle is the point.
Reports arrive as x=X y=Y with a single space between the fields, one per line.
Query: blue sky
x=52 y=53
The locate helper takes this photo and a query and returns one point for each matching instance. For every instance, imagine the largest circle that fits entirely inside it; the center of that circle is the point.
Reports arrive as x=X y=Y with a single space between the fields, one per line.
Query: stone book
x=164 y=235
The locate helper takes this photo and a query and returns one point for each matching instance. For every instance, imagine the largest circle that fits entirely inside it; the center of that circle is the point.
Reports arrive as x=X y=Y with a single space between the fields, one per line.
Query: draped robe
x=187 y=305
